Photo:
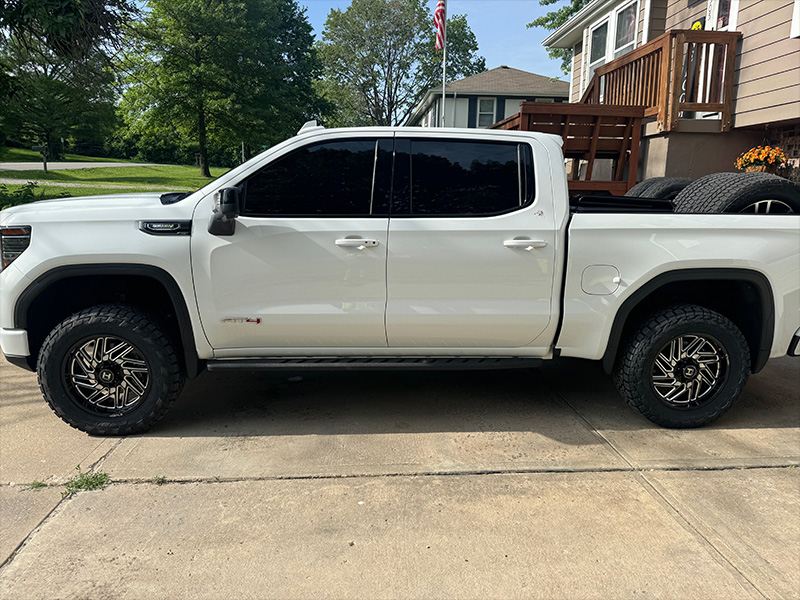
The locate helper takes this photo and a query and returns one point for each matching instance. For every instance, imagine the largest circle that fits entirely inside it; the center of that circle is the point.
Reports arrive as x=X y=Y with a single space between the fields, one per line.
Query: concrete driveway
x=510 y=484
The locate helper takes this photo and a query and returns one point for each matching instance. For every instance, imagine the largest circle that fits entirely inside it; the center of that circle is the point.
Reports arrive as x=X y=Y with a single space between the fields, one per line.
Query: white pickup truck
x=391 y=248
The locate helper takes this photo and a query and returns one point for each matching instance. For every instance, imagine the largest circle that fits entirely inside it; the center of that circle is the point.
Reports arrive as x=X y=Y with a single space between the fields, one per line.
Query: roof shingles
x=507 y=79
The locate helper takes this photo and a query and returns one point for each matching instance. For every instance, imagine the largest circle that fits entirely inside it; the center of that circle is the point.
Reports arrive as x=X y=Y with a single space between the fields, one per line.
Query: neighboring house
x=483 y=99
x=624 y=43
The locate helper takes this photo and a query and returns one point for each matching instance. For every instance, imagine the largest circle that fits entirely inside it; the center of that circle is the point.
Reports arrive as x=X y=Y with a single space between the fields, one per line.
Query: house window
x=598 y=43
x=611 y=37
x=795 y=30
x=485 y=112
x=625 y=30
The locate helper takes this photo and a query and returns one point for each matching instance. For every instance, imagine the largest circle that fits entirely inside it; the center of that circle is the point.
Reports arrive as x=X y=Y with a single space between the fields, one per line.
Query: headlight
x=14 y=240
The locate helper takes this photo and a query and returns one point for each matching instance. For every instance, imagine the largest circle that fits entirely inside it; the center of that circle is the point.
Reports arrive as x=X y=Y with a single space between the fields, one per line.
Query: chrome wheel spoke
x=134 y=384
x=85 y=360
x=694 y=347
x=768 y=207
x=688 y=370
x=108 y=373
x=96 y=395
x=118 y=352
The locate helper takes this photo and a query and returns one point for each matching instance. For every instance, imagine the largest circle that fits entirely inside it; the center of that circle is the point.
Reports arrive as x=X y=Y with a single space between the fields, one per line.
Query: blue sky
x=499 y=26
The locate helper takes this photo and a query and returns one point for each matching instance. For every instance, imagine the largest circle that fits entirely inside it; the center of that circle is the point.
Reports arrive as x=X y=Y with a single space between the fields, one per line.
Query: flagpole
x=444 y=60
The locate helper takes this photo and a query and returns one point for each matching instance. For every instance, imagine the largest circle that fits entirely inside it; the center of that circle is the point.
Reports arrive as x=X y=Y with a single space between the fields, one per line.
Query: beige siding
x=658 y=14
x=658 y=18
x=767 y=66
x=575 y=91
x=680 y=14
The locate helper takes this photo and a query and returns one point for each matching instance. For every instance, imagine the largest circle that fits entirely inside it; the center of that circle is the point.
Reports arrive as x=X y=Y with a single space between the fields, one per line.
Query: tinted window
x=466 y=178
x=329 y=178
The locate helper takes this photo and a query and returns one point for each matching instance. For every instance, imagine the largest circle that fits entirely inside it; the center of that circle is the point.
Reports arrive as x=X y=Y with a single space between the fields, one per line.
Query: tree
x=52 y=97
x=379 y=59
x=67 y=28
x=222 y=72
x=555 y=19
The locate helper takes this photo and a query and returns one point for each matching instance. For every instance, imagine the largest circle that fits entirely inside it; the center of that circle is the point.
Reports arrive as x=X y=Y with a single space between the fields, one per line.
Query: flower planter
x=761 y=169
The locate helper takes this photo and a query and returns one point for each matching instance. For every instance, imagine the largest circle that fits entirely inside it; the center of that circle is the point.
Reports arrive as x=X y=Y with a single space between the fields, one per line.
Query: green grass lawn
x=48 y=192
x=22 y=155
x=164 y=178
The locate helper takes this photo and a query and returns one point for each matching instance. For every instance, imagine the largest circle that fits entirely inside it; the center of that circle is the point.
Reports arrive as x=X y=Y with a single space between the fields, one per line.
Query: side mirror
x=226 y=209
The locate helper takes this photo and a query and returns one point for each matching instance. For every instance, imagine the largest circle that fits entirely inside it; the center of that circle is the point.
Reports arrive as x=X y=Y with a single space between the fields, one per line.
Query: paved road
x=407 y=485
x=54 y=166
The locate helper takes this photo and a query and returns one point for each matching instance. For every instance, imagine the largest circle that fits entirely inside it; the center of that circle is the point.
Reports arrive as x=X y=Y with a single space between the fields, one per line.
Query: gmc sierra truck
x=391 y=248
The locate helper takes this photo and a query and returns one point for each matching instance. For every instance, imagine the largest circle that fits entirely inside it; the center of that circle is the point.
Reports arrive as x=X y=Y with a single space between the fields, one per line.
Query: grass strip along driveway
x=164 y=176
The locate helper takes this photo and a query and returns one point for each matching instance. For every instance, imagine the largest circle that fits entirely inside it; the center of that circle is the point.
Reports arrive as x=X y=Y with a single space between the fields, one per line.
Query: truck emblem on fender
x=254 y=320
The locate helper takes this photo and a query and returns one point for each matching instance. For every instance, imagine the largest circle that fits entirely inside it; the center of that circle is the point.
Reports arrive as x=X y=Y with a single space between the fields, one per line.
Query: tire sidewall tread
x=632 y=373
x=731 y=192
x=133 y=325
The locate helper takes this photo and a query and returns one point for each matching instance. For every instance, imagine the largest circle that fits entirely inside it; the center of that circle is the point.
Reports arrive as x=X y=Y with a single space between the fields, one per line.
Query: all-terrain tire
x=739 y=192
x=643 y=381
x=109 y=354
x=640 y=189
x=665 y=188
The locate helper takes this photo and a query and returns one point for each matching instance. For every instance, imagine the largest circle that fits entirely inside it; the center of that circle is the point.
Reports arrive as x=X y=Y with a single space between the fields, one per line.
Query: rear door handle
x=526 y=244
x=356 y=242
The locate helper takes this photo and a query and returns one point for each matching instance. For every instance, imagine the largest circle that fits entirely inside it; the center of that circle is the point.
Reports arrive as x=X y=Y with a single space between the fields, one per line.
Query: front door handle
x=356 y=242
x=526 y=244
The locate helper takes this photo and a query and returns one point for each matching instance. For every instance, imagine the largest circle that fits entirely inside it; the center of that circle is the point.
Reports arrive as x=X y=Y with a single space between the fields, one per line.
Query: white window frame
x=712 y=8
x=611 y=40
x=478 y=112
x=615 y=16
x=794 y=32
x=606 y=20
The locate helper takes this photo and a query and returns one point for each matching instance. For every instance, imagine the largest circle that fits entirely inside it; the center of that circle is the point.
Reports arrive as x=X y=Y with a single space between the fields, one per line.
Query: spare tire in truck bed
x=757 y=193
x=666 y=188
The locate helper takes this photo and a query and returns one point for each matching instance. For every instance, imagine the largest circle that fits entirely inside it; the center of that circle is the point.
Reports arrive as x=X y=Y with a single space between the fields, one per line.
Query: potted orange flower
x=761 y=158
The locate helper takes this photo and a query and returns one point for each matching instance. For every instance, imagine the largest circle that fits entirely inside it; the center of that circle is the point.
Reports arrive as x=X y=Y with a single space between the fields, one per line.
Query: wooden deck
x=679 y=71
x=589 y=133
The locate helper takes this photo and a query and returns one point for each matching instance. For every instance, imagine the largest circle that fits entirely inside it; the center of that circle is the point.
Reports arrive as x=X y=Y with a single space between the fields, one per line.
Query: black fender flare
x=759 y=280
x=192 y=362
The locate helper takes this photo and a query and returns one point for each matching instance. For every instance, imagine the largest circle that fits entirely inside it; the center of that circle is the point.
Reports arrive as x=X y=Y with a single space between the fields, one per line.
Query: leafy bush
x=24 y=194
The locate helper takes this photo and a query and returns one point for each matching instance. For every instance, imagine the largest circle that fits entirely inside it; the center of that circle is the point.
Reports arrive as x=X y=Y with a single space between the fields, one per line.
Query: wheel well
x=747 y=302
x=45 y=305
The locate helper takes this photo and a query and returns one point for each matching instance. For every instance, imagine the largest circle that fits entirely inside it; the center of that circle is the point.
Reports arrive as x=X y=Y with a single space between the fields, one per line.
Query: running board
x=372 y=364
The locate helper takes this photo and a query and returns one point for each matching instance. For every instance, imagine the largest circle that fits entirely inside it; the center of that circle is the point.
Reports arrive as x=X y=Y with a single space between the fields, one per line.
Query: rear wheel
x=109 y=370
x=684 y=367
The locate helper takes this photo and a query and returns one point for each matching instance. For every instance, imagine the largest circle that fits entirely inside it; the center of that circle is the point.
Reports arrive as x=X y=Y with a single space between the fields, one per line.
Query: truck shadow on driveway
x=551 y=401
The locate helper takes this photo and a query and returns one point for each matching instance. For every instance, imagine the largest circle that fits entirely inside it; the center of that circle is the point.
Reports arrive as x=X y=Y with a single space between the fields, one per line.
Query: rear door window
x=461 y=178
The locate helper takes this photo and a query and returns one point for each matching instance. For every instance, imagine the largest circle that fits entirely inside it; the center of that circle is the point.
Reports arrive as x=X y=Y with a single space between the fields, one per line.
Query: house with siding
x=722 y=72
x=481 y=100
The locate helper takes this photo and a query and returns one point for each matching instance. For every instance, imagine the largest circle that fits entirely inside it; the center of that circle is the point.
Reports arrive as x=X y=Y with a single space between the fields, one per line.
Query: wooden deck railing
x=680 y=71
x=589 y=134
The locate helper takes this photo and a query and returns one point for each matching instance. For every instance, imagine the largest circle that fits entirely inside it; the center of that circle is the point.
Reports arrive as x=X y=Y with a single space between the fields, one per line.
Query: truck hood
x=98 y=208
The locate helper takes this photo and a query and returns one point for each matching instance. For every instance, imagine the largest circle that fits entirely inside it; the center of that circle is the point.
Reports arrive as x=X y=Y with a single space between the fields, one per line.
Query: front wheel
x=684 y=367
x=109 y=370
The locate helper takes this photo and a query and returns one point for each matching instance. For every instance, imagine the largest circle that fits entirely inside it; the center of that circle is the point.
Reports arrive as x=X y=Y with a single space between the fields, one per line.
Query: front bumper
x=14 y=344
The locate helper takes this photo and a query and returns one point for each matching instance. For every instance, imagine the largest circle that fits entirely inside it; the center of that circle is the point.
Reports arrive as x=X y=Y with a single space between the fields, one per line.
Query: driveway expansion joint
x=716 y=553
x=474 y=472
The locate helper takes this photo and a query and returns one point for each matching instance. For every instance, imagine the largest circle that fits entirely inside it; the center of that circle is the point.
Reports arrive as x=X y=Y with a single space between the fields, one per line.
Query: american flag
x=440 y=19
